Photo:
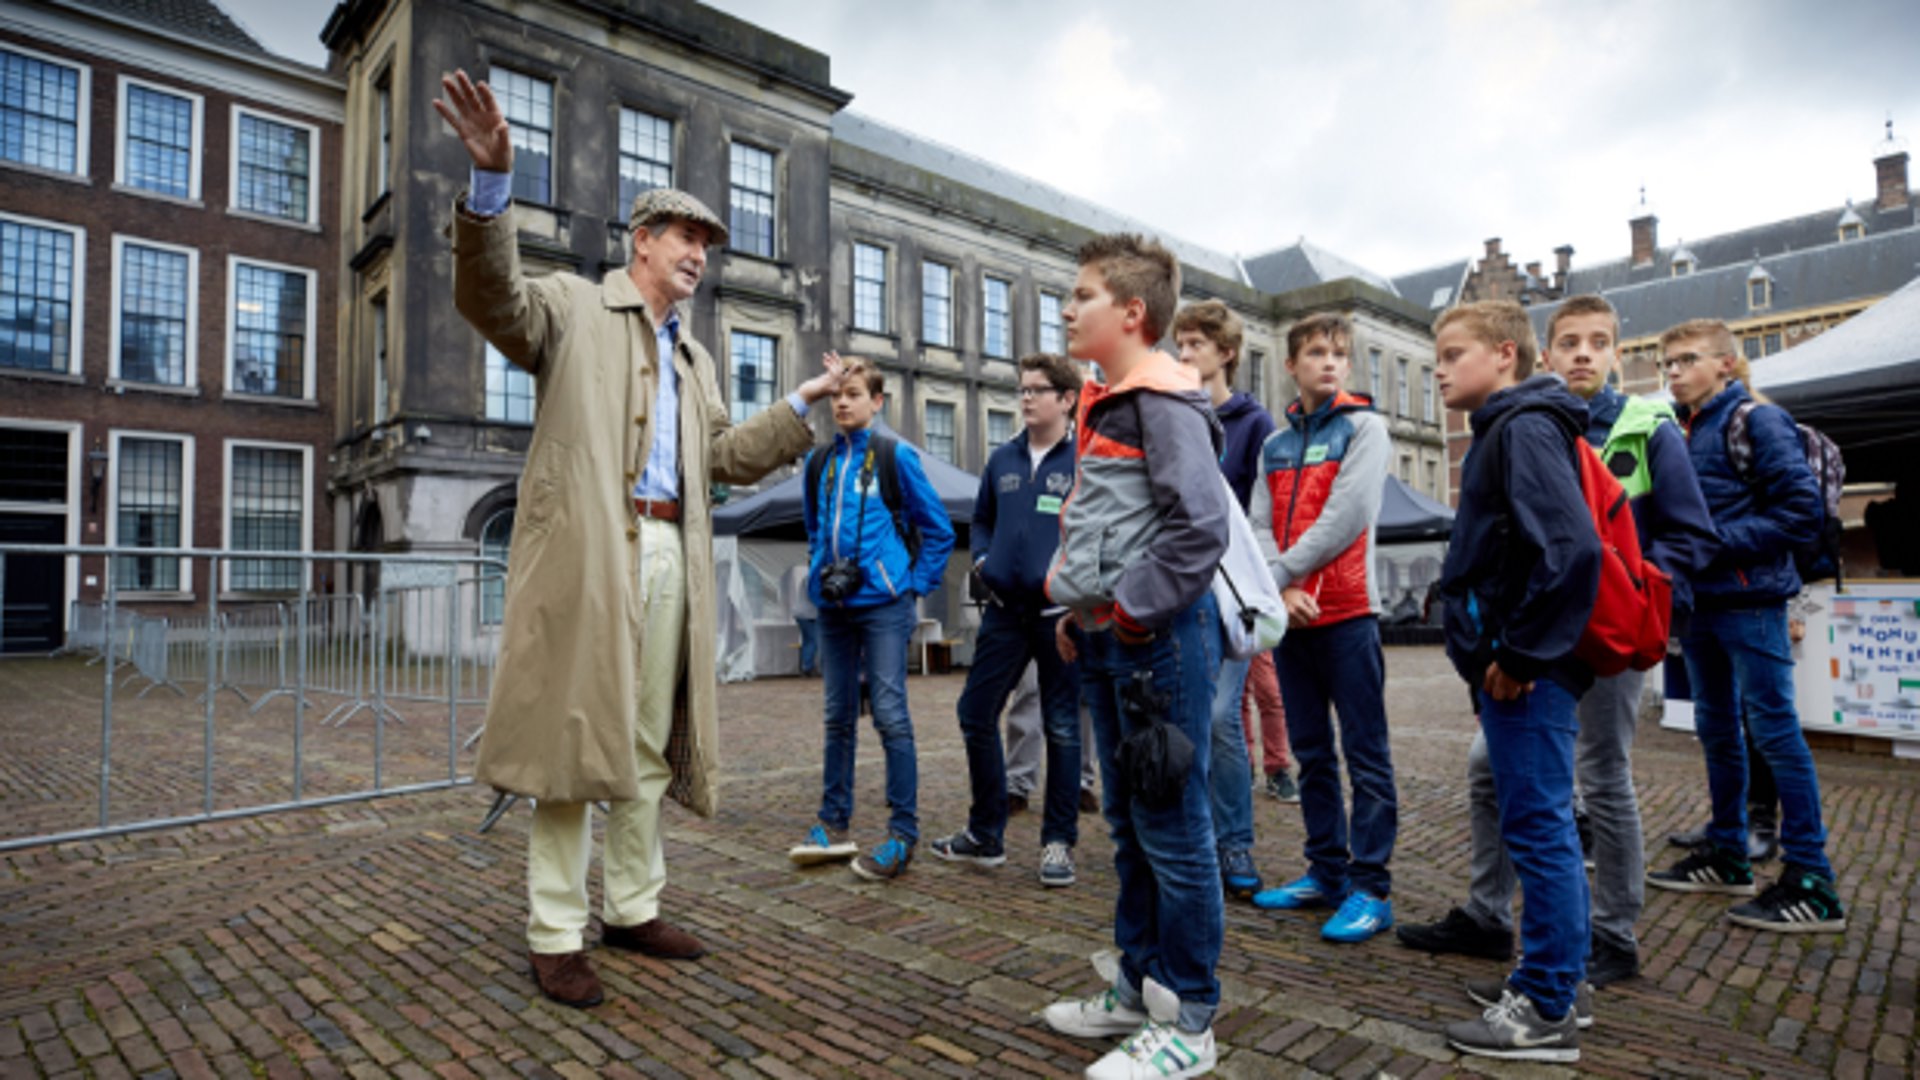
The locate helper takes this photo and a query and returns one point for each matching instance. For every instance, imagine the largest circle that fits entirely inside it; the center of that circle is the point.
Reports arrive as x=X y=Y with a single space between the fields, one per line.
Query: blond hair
x=1493 y=323
x=1719 y=339
x=1588 y=304
x=1136 y=268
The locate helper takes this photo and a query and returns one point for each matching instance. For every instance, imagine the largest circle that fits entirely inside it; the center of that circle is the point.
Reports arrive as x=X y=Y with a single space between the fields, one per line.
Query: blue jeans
x=1742 y=661
x=1340 y=668
x=1530 y=747
x=1230 y=783
x=1169 y=917
x=1006 y=642
x=809 y=645
x=876 y=638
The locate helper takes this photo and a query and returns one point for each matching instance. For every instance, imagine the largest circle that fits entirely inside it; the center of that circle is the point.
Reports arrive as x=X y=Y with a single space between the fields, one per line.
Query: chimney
x=1493 y=248
x=1563 y=265
x=1890 y=174
x=1533 y=269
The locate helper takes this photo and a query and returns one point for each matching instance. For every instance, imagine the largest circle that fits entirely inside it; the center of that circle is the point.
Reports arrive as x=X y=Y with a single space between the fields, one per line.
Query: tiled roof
x=1302 y=265
x=202 y=20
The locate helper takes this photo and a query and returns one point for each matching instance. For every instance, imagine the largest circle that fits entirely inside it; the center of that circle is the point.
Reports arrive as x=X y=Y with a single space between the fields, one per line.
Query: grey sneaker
x=962 y=847
x=1514 y=1029
x=1056 y=865
x=1280 y=785
x=1487 y=993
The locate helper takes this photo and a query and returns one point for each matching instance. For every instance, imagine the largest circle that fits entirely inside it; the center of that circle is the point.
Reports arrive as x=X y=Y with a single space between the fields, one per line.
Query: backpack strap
x=885 y=457
x=816 y=467
x=1739 y=441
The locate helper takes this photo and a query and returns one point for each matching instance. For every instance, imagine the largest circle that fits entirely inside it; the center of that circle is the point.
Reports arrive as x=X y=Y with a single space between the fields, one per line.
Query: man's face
x=1582 y=352
x=1320 y=368
x=672 y=261
x=1041 y=406
x=853 y=406
x=1097 y=324
x=1467 y=369
x=1199 y=352
x=1694 y=371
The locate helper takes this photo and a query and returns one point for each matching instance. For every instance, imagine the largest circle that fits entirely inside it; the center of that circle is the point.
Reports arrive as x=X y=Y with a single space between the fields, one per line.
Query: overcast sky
x=1396 y=134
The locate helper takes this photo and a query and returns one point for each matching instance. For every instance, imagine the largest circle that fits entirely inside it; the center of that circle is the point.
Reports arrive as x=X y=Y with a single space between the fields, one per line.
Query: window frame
x=772 y=195
x=196 y=151
x=987 y=314
x=1059 y=325
x=228 y=446
x=83 y=123
x=191 y=384
x=1256 y=365
x=553 y=109
x=624 y=206
x=115 y=438
x=307 y=376
x=314 y=173
x=512 y=369
x=880 y=302
x=952 y=434
x=1376 y=373
x=1403 y=391
x=492 y=585
x=1013 y=426
x=382 y=134
x=380 y=316
x=1764 y=299
x=771 y=382
x=76 y=302
x=1427 y=395
x=947 y=339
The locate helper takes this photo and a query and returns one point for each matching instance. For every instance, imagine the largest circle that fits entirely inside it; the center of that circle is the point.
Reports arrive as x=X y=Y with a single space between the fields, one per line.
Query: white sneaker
x=1158 y=1052
x=1098 y=1017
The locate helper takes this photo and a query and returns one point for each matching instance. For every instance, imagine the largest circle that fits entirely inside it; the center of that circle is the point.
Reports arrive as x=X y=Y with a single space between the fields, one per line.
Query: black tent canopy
x=1406 y=516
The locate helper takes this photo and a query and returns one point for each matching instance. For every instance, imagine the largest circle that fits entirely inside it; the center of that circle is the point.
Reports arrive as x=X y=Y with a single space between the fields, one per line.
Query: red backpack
x=1633 y=609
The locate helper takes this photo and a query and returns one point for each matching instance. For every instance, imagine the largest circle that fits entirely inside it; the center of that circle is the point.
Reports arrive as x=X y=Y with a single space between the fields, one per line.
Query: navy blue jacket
x=1016 y=520
x=1760 y=523
x=1523 y=564
x=1247 y=425
x=837 y=527
x=1675 y=526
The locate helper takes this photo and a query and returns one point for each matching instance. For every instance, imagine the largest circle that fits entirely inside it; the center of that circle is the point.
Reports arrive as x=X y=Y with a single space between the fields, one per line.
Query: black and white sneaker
x=1801 y=902
x=1487 y=993
x=1707 y=870
x=1515 y=1030
x=962 y=847
x=1056 y=865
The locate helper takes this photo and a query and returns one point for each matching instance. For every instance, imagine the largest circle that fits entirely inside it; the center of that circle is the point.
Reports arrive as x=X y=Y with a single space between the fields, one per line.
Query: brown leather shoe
x=655 y=937
x=567 y=978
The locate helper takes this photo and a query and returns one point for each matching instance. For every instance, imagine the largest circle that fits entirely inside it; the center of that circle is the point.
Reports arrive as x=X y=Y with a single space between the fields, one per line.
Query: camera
x=839 y=580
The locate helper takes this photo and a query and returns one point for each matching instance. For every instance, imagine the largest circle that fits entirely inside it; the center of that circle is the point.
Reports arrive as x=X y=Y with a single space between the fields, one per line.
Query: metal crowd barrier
x=422 y=639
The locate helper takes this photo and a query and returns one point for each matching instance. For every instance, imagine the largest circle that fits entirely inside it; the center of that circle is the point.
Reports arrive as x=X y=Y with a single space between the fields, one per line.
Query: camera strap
x=866 y=480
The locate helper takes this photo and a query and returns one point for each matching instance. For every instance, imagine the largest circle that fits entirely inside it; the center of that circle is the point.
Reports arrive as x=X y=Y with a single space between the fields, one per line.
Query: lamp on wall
x=96 y=471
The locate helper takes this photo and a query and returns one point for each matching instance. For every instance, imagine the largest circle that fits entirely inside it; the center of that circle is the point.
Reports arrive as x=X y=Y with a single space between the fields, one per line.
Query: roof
x=876 y=137
x=1833 y=274
x=1303 y=265
x=200 y=20
x=1436 y=287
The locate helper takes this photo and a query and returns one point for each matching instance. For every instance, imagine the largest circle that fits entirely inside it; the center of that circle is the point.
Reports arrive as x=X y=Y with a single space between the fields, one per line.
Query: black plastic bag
x=1155 y=757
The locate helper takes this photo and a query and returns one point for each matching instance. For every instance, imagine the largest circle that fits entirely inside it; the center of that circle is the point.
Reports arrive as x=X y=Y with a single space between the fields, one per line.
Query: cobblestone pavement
x=384 y=938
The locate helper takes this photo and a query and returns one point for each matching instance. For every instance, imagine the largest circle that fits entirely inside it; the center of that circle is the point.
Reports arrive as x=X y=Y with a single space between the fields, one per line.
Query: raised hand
x=476 y=117
x=825 y=383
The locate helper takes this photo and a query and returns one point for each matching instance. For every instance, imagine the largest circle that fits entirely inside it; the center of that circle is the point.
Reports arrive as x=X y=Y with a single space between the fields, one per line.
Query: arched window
x=496 y=537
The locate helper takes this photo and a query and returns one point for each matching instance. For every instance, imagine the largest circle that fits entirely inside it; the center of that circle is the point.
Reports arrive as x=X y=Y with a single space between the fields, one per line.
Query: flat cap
x=666 y=204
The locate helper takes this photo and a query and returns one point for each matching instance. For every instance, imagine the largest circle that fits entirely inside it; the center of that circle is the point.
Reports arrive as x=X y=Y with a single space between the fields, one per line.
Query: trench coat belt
x=657 y=509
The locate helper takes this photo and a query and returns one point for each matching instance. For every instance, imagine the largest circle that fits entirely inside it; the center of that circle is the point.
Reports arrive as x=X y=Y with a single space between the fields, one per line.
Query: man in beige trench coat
x=605 y=682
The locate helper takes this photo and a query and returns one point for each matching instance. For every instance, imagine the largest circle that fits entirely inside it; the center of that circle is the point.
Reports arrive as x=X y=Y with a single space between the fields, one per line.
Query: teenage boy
x=865 y=577
x=1522 y=570
x=1016 y=530
x=1737 y=648
x=1208 y=335
x=1648 y=454
x=1325 y=473
x=1140 y=539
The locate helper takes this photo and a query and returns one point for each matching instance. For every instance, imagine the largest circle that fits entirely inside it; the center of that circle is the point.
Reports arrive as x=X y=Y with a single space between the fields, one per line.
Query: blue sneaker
x=1298 y=896
x=1362 y=916
x=887 y=861
x=823 y=845
x=1238 y=875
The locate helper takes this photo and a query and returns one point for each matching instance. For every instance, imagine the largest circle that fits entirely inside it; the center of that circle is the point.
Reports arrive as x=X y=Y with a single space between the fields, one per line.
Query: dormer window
x=1759 y=289
x=1682 y=263
x=1682 y=266
x=1851 y=227
x=1851 y=232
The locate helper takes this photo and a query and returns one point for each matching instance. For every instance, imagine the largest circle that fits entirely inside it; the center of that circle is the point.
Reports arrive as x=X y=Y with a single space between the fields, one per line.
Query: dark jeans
x=1530 y=746
x=809 y=645
x=1169 y=918
x=1342 y=666
x=1006 y=642
x=873 y=639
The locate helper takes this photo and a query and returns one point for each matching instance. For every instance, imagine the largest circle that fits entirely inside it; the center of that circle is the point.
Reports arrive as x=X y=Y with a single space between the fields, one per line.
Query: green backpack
x=1625 y=453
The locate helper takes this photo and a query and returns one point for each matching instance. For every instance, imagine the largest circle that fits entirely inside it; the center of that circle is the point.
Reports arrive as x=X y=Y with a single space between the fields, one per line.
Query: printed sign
x=1874 y=657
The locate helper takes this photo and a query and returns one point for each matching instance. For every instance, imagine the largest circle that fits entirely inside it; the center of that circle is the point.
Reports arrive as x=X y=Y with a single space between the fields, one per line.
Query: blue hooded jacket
x=1246 y=424
x=1762 y=522
x=838 y=527
x=1016 y=520
x=1675 y=526
x=1523 y=564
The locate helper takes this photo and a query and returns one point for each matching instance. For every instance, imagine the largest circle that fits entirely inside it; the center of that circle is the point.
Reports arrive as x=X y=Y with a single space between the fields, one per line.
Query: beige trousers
x=633 y=866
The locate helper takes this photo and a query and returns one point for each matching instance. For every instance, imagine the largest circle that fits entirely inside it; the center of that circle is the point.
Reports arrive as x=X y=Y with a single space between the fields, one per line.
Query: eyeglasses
x=1682 y=361
x=1028 y=393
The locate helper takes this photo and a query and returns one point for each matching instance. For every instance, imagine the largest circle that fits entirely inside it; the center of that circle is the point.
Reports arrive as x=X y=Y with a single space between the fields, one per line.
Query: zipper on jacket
x=840 y=496
x=886 y=579
x=1299 y=467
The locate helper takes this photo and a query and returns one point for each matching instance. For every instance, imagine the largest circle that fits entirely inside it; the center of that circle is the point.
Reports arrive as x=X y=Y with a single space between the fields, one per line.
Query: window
x=509 y=390
x=40 y=294
x=936 y=304
x=1433 y=480
x=1257 y=375
x=266 y=511
x=1682 y=267
x=270 y=330
x=997 y=303
x=1851 y=231
x=1406 y=468
x=156 y=314
x=1771 y=343
x=528 y=105
x=646 y=156
x=1426 y=393
x=1404 y=403
x=870 y=288
x=159 y=140
x=1053 y=335
x=940 y=430
x=496 y=539
x=1759 y=289
x=1374 y=374
x=149 y=479
x=754 y=358
x=999 y=426
x=383 y=131
x=751 y=192
x=380 y=361
x=1751 y=345
x=274 y=166
x=43 y=115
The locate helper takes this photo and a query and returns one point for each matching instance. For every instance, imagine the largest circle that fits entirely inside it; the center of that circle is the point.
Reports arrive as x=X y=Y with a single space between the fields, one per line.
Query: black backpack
x=1820 y=559
x=884 y=448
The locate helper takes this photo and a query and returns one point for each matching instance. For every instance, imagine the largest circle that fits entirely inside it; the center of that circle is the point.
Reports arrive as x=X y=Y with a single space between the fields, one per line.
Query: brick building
x=168 y=230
